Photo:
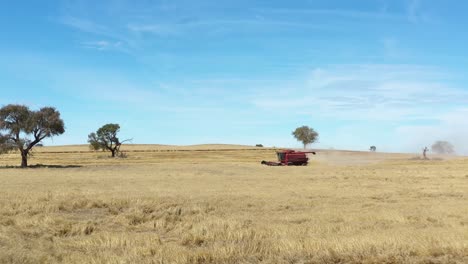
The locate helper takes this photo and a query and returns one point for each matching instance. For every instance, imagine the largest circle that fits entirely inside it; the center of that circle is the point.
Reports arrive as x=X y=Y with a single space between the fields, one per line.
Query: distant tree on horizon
x=23 y=128
x=306 y=135
x=425 y=150
x=442 y=147
x=105 y=138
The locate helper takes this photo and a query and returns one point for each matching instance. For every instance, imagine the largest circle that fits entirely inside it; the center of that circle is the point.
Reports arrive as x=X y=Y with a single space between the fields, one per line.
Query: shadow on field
x=38 y=166
x=426 y=159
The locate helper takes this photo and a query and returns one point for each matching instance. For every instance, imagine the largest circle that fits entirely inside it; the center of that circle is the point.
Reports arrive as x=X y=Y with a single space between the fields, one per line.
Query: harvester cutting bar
x=271 y=163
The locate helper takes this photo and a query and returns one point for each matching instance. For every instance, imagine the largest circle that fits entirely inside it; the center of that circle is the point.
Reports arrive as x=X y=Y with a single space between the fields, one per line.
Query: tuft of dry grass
x=222 y=206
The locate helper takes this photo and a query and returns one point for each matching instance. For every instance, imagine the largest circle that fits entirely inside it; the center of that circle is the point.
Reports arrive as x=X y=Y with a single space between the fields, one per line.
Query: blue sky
x=385 y=73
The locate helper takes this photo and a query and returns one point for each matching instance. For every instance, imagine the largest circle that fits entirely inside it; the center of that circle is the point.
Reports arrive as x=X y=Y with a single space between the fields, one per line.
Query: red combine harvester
x=290 y=157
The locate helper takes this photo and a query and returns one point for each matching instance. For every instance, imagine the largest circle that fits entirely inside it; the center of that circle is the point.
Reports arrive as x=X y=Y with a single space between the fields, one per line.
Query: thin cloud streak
x=369 y=92
x=114 y=38
x=85 y=25
x=218 y=26
x=102 y=45
x=344 y=13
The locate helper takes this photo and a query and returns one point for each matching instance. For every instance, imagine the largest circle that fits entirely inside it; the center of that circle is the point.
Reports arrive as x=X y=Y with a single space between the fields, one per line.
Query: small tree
x=23 y=129
x=106 y=138
x=442 y=147
x=373 y=148
x=305 y=134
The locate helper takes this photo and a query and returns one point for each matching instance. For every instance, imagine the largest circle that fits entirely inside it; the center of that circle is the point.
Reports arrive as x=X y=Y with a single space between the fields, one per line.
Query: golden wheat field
x=217 y=204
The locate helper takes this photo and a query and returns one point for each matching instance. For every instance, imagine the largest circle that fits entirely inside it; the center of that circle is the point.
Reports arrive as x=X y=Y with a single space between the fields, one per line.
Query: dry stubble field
x=217 y=204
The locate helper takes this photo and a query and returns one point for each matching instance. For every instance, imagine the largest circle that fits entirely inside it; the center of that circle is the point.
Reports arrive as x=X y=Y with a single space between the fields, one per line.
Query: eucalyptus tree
x=306 y=135
x=22 y=128
x=105 y=138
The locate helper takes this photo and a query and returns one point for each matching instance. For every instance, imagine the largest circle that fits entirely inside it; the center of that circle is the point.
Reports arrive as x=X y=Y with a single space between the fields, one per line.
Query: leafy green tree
x=306 y=135
x=22 y=128
x=105 y=138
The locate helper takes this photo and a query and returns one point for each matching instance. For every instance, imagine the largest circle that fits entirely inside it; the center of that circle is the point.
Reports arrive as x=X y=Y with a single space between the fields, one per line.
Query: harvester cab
x=290 y=158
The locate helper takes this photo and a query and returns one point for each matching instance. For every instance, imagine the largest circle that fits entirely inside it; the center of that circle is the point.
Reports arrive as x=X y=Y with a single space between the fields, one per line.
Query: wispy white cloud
x=138 y=30
x=218 y=26
x=157 y=29
x=85 y=25
x=369 y=92
x=413 y=12
x=381 y=14
x=111 y=37
x=102 y=45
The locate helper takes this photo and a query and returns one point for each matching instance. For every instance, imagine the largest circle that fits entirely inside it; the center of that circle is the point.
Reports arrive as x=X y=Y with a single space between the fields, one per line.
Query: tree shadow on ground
x=38 y=166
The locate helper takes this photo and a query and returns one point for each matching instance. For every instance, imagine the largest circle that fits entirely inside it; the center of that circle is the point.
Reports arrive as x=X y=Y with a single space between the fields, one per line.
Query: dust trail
x=343 y=157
